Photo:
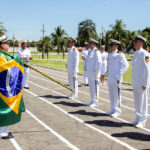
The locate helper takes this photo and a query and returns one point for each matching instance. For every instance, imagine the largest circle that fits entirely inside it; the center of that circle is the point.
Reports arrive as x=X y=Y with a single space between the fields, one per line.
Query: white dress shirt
x=24 y=53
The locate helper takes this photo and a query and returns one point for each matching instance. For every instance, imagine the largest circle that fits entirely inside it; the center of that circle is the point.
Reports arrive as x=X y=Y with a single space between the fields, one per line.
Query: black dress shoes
x=9 y=136
x=26 y=87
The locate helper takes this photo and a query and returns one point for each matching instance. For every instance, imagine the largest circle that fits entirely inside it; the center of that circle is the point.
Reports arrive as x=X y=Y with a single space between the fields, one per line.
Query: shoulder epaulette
x=119 y=52
x=147 y=59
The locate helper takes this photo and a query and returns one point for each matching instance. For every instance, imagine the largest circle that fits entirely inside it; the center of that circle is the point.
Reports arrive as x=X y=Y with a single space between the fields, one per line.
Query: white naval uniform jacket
x=73 y=60
x=93 y=63
x=84 y=53
x=140 y=68
x=24 y=53
x=117 y=66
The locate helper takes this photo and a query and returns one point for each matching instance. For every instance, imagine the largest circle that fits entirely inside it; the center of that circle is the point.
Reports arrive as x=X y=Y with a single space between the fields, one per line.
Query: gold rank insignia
x=74 y=49
x=147 y=58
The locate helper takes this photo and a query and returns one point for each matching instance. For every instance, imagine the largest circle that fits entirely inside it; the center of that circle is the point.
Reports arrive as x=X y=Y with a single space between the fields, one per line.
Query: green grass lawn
x=127 y=75
x=61 y=65
x=55 y=64
x=129 y=56
x=51 y=56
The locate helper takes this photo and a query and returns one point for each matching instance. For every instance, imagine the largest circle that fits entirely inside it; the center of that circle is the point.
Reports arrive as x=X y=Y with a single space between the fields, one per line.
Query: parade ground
x=54 y=122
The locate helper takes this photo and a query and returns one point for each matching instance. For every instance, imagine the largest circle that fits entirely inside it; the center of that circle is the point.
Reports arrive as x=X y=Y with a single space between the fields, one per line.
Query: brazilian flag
x=11 y=89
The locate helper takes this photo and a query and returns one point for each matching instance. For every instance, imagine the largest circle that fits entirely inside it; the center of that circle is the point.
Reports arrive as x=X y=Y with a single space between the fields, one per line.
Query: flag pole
x=26 y=65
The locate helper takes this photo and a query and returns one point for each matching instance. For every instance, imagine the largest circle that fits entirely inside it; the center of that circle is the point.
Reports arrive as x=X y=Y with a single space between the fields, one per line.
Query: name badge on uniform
x=147 y=58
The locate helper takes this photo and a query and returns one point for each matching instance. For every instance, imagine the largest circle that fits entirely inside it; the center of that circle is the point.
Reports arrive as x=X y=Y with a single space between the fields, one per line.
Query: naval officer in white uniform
x=84 y=55
x=93 y=67
x=72 y=67
x=25 y=55
x=140 y=81
x=117 y=66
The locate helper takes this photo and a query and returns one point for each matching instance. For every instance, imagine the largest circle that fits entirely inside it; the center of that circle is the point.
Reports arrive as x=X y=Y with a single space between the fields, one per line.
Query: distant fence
x=32 y=49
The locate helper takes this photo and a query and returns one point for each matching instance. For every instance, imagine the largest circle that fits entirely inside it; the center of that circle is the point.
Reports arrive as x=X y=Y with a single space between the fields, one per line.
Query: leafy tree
x=118 y=30
x=45 y=45
x=86 y=29
x=58 y=38
x=2 y=29
x=128 y=40
x=147 y=29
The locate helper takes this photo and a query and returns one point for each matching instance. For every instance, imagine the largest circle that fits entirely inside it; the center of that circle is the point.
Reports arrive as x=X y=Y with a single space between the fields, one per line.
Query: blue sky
x=25 y=18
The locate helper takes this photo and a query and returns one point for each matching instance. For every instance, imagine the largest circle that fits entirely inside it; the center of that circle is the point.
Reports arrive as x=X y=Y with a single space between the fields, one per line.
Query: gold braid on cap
x=5 y=40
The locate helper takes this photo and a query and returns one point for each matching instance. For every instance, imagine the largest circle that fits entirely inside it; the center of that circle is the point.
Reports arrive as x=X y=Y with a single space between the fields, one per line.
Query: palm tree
x=48 y=44
x=45 y=45
x=2 y=29
x=86 y=29
x=128 y=40
x=58 y=38
x=118 y=30
x=147 y=29
x=106 y=39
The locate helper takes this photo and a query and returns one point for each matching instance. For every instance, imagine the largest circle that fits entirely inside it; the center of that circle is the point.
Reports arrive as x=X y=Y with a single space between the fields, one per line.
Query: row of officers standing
x=97 y=64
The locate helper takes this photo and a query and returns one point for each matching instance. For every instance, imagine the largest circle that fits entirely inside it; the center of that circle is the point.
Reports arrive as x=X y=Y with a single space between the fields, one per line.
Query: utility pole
x=43 y=31
x=13 y=43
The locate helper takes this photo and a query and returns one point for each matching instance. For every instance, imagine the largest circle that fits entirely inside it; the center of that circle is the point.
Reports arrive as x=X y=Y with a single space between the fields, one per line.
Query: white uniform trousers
x=85 y=77
x=26 y=76
x=73 y=83
x=141 y=103
x=94 y=89
x=4 y=131
x=114 y=97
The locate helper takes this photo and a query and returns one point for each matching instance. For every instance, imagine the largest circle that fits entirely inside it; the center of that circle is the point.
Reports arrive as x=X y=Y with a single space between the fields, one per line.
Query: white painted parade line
x=15 y=144
x=88 y=94
x=64 y=140
x=100 y=87
x=80 y=120
x=123 y=86
x=118 y=118
x=80 y=79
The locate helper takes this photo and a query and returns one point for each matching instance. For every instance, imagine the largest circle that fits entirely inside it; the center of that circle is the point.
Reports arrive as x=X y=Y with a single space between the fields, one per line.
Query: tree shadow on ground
x=69 y=104
x=133 y=135
x=108 y=123
x=84 y=112
x=53 y=97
